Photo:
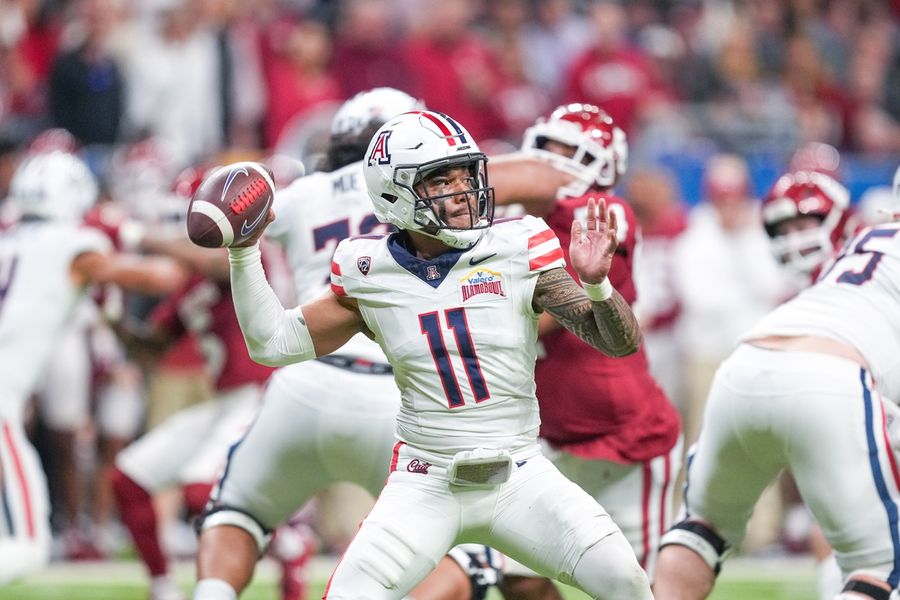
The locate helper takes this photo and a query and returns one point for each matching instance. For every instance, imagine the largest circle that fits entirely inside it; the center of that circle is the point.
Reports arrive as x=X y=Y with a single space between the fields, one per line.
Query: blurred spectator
x=724 y=275
x=366 y=47
x=453 y=70
x=749 y=113
x=874 y=129
x=653 y=194
x=517 y=101
x=298 y=75
x=555 y=36
x=503 y=19
x=174 y=83
x=29 y=38
x=243 y=88
x=822 y=110
x=87 y=92
x=613 y=74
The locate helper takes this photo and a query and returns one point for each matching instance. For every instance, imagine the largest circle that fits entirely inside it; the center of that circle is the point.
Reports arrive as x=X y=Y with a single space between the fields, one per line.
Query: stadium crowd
x=717 y=100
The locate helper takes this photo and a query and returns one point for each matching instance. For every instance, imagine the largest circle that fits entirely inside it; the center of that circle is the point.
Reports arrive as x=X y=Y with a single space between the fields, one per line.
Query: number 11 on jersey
x=456 y=322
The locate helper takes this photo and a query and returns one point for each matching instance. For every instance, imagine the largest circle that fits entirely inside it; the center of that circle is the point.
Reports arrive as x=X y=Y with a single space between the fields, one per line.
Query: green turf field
x=740 y=580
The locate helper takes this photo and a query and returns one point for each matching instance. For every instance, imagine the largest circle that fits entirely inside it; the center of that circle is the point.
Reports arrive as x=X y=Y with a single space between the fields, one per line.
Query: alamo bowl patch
x=482 y=284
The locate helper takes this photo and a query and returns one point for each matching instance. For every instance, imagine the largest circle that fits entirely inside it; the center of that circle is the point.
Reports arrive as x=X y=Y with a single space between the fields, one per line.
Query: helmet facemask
x=438 y=204
x=805 y=216
x=803 y=250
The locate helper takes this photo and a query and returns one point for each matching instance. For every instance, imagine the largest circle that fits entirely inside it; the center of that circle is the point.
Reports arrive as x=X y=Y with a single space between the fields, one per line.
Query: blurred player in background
x=800 y=393
x=47 y=262
x=64 y=395
x=467 y=467
x=612 y=429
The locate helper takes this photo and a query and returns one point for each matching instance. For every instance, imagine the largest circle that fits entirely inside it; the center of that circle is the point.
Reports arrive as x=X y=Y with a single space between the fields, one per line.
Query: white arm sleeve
x=274 y=336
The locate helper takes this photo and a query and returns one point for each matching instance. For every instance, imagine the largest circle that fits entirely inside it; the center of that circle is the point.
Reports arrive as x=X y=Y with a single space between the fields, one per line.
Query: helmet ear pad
x=406 y=150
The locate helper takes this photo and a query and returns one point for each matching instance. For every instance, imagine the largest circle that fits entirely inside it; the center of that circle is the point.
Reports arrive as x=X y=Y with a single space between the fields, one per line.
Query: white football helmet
x=600 y=148
x=407 y=148
x=375 y=105
x=53 y=185
x=358 y=118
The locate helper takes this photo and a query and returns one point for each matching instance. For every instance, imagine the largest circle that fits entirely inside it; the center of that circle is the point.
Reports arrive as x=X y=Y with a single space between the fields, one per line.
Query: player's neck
x=426 y=247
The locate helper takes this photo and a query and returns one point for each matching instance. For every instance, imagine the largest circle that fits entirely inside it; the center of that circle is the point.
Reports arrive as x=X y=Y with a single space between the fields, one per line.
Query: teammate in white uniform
x=454 y=303
x=46 y=261
x=800 y=393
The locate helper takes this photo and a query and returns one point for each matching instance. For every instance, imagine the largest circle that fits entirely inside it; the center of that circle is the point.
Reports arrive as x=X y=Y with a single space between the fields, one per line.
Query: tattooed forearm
x=608 y=326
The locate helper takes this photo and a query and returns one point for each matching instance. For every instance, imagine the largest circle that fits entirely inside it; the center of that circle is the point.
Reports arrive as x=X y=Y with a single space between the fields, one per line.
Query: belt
x=357 y=365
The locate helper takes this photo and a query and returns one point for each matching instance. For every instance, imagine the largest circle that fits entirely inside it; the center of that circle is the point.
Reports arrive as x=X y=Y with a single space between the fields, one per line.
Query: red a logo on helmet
x=380 y=153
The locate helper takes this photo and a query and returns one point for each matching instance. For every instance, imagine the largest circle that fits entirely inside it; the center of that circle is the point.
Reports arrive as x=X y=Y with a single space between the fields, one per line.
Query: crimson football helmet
x=403 y=152
x=805 y=247
x=599 y=149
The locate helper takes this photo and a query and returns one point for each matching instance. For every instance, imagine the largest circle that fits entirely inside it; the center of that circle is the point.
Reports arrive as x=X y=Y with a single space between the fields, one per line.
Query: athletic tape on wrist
x=598 y=292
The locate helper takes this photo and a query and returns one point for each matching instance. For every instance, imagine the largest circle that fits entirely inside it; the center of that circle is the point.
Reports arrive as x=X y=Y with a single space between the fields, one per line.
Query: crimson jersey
x=592 y=405
x=205 y=309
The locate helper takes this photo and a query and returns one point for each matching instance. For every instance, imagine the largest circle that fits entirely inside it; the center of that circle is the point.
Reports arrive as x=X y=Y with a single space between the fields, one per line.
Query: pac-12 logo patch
x=380 y=153
x=483 y=283
x=364 y=263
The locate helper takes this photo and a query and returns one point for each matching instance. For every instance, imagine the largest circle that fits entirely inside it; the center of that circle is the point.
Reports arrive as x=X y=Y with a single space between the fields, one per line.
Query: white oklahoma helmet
x=53 y=185
x=405 y=149
x=599 y=147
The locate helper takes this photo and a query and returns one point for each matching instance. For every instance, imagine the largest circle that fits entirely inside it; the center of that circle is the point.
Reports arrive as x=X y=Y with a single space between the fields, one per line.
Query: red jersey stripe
x=540 y=238
x=335 y=268
x=338 y=290
x=546 y=259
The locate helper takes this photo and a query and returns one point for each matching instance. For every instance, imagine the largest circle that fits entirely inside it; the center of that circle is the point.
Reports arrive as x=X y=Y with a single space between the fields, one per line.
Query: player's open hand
x=592 y=247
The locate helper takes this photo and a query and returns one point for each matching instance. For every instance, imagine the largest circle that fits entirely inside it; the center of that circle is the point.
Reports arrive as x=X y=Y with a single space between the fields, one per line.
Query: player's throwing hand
x=591 y=249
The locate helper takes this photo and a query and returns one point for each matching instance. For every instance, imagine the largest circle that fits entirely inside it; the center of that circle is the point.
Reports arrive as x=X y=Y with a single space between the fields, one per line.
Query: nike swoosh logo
x=478 y=261
x=246 y=228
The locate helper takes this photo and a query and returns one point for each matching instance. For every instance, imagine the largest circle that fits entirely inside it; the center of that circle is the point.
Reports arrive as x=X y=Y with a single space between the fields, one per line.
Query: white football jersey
x=856 y=301
x=312 y=215
x=459 y=330
x=37 y=299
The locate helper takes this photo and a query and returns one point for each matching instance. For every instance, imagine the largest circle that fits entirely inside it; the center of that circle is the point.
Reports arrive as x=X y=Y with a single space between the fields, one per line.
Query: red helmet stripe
x=451 y=139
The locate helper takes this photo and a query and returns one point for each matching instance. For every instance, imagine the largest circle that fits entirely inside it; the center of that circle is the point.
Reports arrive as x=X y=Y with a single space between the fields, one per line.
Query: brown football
x=230 y=204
